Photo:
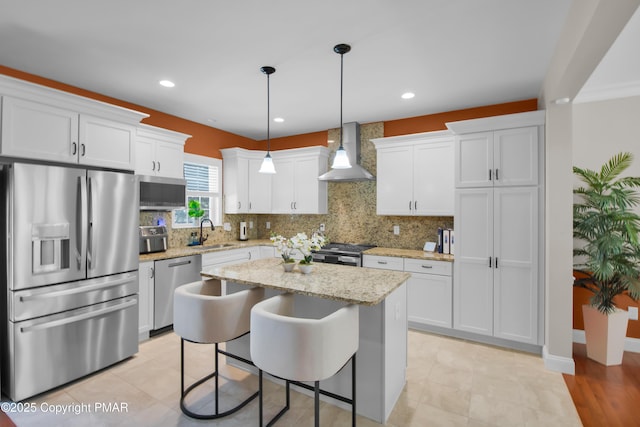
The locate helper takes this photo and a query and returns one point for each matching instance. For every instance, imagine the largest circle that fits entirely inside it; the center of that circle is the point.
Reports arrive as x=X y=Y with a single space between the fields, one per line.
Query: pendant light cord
x=268 y=117
x=341 y=83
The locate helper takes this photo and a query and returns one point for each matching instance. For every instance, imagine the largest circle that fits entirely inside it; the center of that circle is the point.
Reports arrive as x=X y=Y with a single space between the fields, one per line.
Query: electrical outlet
x=227 y=226
x=322 y=228
x=633 y=313
x=250 y=224
x=268 y=225
x=396 y=230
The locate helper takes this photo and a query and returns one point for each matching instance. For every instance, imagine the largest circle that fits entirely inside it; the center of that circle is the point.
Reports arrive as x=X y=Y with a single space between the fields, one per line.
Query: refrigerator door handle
x=91 y=255
x=79 y=317
x=81 y=225
x=77 y=290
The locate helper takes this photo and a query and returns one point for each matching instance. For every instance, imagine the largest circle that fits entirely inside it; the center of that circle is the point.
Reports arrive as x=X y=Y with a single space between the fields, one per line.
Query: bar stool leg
x=316 y=390
x=216 y=380
x=353 y=390
x=260 y=396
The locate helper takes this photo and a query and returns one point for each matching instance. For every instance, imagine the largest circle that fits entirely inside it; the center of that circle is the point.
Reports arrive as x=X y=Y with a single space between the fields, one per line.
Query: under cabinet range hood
x=351 y=144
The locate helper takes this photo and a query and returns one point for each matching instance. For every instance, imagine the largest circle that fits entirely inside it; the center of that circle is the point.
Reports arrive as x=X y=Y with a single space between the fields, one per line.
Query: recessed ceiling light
x=167 y=83
x=408 y=95
x=278 y=120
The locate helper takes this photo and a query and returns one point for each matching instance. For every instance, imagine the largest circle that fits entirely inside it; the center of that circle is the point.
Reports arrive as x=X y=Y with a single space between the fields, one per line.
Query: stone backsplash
x=352 y=213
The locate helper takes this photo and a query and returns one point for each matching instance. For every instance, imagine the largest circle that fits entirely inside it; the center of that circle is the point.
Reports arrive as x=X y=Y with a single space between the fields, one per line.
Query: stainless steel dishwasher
x=169 y=274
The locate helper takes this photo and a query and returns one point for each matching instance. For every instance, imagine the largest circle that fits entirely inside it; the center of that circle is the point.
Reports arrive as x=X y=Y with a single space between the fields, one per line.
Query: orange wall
x=434 y=122
x=296 y=141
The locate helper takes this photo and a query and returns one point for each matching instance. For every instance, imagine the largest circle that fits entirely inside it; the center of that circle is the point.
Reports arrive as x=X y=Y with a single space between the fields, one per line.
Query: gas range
x=341 y=253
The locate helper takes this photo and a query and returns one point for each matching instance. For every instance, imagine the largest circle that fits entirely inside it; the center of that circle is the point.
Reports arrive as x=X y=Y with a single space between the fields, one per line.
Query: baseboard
x=566 y=365
x=630 y=344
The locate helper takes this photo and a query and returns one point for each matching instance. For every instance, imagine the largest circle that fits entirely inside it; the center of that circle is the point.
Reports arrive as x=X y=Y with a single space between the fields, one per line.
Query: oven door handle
x=77 y=290
x=80 y=317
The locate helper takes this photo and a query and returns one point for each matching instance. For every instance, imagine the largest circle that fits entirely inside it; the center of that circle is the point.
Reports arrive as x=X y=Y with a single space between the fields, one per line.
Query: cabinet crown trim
x=412 y=139
x=45 y=95
x=160 y=134
x=530 y=118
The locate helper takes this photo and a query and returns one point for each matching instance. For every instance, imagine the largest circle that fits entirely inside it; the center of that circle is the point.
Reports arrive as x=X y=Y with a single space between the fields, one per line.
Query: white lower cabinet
x=496 y=278
x=430 y=291
x=429 y=288
x=146 y=288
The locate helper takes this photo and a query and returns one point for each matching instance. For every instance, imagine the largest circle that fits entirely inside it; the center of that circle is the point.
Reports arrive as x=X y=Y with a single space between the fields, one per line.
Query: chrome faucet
x=203 y=239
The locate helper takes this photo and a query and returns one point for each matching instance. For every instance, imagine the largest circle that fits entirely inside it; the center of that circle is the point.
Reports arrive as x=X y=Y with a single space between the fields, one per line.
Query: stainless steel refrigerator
x=69 y=274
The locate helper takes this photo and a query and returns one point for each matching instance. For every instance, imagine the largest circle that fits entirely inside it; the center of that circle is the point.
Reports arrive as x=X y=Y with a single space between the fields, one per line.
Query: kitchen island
x=382 y=297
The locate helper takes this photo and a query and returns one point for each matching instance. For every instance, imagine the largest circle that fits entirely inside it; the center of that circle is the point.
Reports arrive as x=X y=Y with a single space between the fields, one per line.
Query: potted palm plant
x=607 y=253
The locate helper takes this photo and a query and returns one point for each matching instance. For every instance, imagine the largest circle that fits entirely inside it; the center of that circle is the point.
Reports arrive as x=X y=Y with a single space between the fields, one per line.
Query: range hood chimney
x=351 y=144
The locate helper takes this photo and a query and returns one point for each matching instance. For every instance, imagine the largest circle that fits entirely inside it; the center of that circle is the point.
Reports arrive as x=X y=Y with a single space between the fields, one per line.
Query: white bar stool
x=202 y=315
x=303 y=349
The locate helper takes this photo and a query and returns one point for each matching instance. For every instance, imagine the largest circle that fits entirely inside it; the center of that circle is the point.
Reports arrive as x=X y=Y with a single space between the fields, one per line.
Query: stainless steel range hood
x=351 y=144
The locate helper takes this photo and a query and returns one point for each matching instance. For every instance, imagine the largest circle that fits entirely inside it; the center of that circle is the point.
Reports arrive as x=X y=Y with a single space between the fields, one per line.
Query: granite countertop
x=195 y=250
x=364 y=286
x=217 y=247
x=409 y=253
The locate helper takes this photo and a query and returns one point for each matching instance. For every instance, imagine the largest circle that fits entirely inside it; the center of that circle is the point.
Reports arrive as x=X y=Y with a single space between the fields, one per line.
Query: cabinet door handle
x=153 y=165
x=75 y=148
x=84 y=150
x=497 y=174
x=382 y=262
x=152 y=272
x=496 y=262
x=489 y=262
x=415 y=205
x=249 y=205
x=158 y=166
x=409 y=204
x=489 y=174
x=427 y=266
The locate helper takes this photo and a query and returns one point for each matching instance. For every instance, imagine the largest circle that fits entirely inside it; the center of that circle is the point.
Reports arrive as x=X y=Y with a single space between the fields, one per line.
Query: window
x=203 y=184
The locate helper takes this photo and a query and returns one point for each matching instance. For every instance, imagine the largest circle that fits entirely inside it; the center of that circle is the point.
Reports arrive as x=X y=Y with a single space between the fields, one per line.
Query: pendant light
x=267 y=162
x=341 y=160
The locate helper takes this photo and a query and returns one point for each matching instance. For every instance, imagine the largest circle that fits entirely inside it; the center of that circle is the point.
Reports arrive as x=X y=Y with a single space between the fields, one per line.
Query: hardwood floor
x=605 y=395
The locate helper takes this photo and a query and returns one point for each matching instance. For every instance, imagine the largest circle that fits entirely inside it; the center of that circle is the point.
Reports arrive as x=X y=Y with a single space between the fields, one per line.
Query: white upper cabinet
x=501 y=158
x=415 y=174
x=498 y=151
x=295 y=186
x=245 y=189
x=32 y=130
x=45 y=124
x=159 y=152
x=106 y=143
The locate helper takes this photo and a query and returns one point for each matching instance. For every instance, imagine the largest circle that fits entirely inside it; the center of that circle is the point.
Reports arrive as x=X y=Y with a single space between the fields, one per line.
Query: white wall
x=605 y=128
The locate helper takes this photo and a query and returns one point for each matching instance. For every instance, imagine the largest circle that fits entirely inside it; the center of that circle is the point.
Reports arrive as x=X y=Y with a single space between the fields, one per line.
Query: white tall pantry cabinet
x=497 y=287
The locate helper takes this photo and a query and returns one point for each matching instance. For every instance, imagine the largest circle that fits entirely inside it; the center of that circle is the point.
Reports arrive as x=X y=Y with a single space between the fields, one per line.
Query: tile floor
x=450 y=383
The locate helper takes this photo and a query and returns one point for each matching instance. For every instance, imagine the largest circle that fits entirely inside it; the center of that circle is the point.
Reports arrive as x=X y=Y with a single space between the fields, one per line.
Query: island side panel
x=395 y=347
x=381 y=358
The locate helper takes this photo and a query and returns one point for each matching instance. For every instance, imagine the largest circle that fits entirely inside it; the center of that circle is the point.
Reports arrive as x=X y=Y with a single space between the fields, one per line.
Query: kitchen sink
x=218 y=246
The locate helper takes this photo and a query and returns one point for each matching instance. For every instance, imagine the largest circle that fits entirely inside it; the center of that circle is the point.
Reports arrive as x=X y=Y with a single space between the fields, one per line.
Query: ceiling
x=452 y=54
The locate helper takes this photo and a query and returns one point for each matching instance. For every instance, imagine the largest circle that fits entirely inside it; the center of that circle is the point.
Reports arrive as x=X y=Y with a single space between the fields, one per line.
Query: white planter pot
x=305 y=268
x=605 y=335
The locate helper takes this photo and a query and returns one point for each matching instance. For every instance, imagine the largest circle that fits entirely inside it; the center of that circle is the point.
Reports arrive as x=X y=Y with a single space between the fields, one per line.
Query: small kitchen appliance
x=341 y=253
x=153 y=238
x=243 y=231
